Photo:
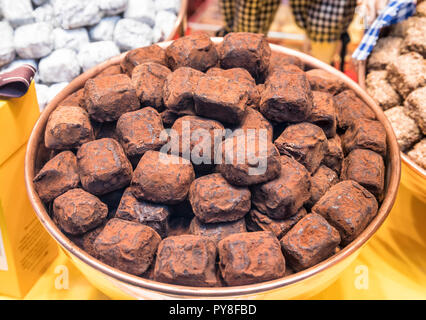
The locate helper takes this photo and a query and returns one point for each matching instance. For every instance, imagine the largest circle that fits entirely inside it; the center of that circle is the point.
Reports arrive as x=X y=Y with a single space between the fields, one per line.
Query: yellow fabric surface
x=392 y=265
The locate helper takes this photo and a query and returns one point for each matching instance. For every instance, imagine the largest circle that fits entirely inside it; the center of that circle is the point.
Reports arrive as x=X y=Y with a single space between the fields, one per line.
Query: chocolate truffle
x=384 y=52
x=323 y=113
x=152 y=53
x=186 y=260
x=162 y=178
x=67 y=127
x=415 y=106
x=305 y=142
x=350 y=109
x=75 y=99
x=321 y=181
x=311 y=241
x=88 y=240
x=216 y=231
x=108 y=97
x=103 y=166
x=247 y=258
x=284 y=196
x=406 y=130
x=321 y=80
x=77 y=211
x=348 y=207
x=127 y=245
x=333 y=157
x=380 y=89
x=58 y=175
x=279 y=59
x=254 y=120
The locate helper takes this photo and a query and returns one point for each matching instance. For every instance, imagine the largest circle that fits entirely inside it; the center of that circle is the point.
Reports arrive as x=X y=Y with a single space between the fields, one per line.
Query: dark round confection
x=162 y=178
x=323 y=113
x=152 y=53
x=195 y=51
x=77 y=211
x=216 y=231
x=334 y=155
x=213 y=199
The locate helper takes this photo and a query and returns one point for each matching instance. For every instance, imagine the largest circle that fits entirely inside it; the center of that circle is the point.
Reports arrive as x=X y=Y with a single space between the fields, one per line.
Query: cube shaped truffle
x=323 y=113
x=285 y=195
x=380 y=89
x=254 y=120
x=148 y=80
x=248 y=158
x=323 y=179
x=305 y=142
x=321 y=80
x=311 y=241
x=365 y=134
x=406 y=130
x=186 y=260
x=350 y=109
x=179 y=87
x=407 y=73
x=367 y=168
x=213 y=199
x=418 y=153
x=139 y=131
x=162 y=178
x=286 y=97
x=57 y=176
x=126 y=245
x=75 y=99
x=416 y=107
x=68 y=127
x=247 y=258
x=245 y=50
x=334 y=155
x=216 y=231
x=103 y=166
x=195 y=51
x=385 y=52
x=279 y=59
x=77 y=211
x=348 y=207
x=258 y=221
x=150 y=214
x=221 y=99
x=87 y=240
x=107 y=98
x=152 y=53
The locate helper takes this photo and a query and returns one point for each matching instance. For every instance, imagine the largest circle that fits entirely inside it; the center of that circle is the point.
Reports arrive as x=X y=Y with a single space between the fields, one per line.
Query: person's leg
x=267 y=12
x=228 y=11
x=246 y=15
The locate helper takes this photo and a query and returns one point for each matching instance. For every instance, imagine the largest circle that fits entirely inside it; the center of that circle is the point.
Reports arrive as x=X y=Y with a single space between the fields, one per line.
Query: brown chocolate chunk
x=216 y=231
x=254 y=120
x=162 y=178
x=152 y=53
x=221 y=99
x=179 y=87
x=350 y=109
x=139 y=131
x=257 y=221
x=148 y=80
x=287 y=96
x=153 y=215
x=305 y=142
x=279 y=59
x=323 y=113
x=247 y=258
x=348 y=207
x=57 y=176
x=108 y=97
x=88 y=240
x=249 y=158
x=333 y=157
x=284 y=196
x=68 y=127
x=103 y=166
x=186 y=260
x=77 y=211
x=195 y=51
x=110 y=71
x=321 y=181
x=75 y=99
x=365 y=134
x=213 y=199
x=127 y=245
x=321 y=80
x=311 y=241
x=168 y=117
x=367 y=168
x=246 y=50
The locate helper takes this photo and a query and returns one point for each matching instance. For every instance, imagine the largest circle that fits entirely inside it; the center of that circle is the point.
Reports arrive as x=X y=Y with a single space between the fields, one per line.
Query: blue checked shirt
x=396 y=11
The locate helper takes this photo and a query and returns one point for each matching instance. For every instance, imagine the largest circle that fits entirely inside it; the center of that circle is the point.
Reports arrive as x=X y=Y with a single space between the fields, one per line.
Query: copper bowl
x=413 y=176
x=118 y=284
x=180 y=24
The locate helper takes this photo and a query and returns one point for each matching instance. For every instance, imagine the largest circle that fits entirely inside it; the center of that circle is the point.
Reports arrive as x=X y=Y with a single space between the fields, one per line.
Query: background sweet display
x=396 y=80
x=64 y=38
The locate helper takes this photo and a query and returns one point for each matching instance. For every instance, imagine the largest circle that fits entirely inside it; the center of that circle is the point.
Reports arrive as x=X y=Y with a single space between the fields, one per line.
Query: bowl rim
x=180 y=20
x=413 y=166
x=393 y=176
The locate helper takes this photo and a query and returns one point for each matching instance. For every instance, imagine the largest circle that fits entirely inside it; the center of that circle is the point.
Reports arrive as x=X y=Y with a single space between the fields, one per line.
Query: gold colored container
x=180 y=24
x=121 y=285
x=412 y=175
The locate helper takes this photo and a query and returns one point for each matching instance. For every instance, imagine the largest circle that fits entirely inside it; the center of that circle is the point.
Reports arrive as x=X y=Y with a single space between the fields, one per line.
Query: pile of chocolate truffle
x=112 y=189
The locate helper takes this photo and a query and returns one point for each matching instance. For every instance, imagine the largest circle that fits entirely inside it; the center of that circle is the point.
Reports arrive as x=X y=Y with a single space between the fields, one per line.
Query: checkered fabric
x=395 y=11
x=249 y=15
x=323 y=20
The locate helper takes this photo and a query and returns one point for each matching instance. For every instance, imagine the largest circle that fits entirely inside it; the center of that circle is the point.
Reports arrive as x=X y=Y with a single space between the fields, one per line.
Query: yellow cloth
x=323 y=51
x=395 y=259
